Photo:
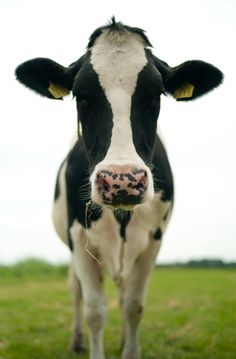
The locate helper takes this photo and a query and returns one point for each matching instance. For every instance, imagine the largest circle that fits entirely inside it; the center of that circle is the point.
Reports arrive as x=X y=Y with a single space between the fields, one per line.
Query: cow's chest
x=118 y=254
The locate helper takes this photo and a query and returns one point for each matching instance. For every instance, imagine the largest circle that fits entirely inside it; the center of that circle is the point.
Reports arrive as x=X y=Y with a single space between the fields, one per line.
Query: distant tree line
x=201 y=263
x=36 y=266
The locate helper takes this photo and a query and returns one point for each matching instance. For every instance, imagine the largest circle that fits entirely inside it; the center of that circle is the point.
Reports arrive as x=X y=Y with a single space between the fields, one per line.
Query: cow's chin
x=116 y=205
x=123 y=207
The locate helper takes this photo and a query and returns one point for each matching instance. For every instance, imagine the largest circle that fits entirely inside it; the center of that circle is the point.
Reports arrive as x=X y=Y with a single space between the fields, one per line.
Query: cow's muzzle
x=121 y=186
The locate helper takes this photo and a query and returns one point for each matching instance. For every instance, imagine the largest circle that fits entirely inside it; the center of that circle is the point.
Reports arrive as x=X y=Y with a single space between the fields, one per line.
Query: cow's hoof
x=77 y=347
x=77 y=344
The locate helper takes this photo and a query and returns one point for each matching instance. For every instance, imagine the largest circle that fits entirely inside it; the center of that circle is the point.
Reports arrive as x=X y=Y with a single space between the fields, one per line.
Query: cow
x=114 y=191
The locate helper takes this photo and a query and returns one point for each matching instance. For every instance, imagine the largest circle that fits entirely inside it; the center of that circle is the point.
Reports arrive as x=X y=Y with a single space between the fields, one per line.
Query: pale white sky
x=200 y=136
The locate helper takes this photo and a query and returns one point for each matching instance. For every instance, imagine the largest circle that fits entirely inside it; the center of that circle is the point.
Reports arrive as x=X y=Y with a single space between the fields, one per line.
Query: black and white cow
x=114 y=191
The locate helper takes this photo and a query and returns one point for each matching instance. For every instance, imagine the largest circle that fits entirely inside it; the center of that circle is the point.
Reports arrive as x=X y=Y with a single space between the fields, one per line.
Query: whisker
x=84 y=194
x=85 y=185
x=85 y=190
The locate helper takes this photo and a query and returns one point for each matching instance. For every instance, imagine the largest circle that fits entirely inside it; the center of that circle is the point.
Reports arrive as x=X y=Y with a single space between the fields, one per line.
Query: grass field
x=190 y=314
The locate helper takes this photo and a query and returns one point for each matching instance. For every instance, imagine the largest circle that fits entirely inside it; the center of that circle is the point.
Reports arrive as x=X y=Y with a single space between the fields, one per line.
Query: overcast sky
x=200 y=136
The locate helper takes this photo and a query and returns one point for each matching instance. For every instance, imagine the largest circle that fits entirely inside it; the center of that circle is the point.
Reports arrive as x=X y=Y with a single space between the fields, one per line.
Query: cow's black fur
x=94 y=113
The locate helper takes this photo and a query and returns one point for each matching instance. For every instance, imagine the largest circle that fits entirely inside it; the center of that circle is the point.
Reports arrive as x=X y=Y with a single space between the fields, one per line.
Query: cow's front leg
x=90 y=275
x=132 y=299
x=77 y=343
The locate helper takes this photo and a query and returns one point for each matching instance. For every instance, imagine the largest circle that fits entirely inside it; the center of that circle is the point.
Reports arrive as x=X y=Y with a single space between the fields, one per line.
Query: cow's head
x=117 y=85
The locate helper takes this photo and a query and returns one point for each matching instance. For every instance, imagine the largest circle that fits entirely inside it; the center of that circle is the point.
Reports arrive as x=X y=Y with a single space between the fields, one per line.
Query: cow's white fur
x=129 y=263
x=118 y=73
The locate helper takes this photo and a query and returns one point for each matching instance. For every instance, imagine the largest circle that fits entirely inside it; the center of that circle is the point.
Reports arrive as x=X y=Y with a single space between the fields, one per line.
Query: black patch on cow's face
x=94 y=113
x=145 y=111
x=116 y=186
x=130 y=177
x=106 y=172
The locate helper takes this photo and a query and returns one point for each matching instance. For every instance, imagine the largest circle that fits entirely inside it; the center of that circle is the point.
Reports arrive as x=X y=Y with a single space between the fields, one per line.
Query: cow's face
x=117 y=85
x=118 y=99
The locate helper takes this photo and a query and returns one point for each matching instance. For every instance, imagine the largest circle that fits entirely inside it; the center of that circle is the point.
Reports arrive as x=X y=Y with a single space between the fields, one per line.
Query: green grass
x=190 y=314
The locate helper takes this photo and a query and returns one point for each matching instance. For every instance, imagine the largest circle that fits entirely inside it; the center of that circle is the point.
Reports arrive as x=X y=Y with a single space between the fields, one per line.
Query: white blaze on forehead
x=118 y=59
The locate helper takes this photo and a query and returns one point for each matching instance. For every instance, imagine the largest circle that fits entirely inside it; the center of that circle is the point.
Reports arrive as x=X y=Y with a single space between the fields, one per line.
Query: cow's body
x=114 y=191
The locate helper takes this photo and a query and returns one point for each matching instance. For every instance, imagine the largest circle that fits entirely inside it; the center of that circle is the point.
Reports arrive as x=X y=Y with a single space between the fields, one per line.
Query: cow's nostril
x=105 y=186
x=141 y=184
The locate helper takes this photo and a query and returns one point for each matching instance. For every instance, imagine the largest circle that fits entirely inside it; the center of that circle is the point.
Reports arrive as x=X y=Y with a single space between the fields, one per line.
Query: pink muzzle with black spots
x=121 y=186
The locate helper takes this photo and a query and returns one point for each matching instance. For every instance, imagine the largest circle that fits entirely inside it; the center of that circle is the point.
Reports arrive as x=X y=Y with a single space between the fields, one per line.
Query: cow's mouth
x=122 y=199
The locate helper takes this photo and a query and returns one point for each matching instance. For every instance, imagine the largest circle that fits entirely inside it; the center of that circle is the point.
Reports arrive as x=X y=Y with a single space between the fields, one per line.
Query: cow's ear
x=192 y=79
x=46 y=77
x=189 y=80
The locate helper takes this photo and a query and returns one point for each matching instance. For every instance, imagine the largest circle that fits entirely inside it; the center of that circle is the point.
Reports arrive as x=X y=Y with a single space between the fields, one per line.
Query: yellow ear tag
x=185 y=91
x=57 y=91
